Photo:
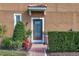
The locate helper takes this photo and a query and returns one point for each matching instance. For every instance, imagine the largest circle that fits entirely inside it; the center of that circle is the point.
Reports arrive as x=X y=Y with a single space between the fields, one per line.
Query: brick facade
x=59 y=17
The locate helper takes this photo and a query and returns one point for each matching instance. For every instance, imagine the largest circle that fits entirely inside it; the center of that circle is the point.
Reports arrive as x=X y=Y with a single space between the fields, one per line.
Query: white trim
x=30 y=12
x=32 y=28
x=37 y=8
x=45 y=52
x=15 y=17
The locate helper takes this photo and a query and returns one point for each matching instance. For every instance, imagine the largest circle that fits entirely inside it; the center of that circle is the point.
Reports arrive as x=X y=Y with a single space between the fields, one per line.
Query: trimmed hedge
x=63 y=41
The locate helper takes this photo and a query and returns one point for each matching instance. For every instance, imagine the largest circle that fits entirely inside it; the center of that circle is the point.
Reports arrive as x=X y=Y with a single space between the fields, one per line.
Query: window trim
x=15 y=17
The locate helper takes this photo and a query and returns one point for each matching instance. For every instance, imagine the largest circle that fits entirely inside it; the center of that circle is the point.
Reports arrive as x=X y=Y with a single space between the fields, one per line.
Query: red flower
x=26 y=43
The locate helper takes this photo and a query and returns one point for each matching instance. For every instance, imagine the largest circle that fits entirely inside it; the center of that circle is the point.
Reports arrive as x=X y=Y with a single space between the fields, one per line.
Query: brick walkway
x=37 y=50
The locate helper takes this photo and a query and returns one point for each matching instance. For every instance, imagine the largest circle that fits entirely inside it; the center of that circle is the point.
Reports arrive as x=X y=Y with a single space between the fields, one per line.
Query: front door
x=37 y=31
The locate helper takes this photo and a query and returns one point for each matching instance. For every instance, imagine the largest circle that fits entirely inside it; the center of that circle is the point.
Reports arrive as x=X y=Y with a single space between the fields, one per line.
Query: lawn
x=13 y=53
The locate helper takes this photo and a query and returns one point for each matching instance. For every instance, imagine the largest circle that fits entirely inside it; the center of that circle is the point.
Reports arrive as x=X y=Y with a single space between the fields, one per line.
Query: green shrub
x=14 y=45
x=28 y=33
x=7 y=43
x=18 y=35
x=1 y=31
x=63 y=41
x=17 y=44
x=19 y=32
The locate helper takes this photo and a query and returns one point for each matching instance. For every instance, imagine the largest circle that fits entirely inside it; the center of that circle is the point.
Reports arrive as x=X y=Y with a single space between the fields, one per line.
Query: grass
x=13 y=53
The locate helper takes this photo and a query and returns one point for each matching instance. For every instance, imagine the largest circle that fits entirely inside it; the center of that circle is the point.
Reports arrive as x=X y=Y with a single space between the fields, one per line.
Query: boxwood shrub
x=63 y=41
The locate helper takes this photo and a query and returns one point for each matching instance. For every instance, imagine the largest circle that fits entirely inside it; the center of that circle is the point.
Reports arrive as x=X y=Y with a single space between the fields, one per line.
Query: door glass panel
x=37 y=29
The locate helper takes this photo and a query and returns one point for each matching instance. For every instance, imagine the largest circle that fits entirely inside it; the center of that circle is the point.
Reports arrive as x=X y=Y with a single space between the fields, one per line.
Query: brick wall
x=59 y=17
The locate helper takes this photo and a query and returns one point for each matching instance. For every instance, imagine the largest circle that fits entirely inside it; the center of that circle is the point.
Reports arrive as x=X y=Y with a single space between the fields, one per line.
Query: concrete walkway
x=37 y=50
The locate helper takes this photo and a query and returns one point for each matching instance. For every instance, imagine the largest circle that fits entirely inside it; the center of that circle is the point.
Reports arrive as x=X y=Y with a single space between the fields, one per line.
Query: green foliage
x=16 y=44
x=0 y=30
x=13 y=53
x=19 y=32
x=7 y=43
x=28 y=32
x=18 y=35
x=63 y=41
x=4 y=29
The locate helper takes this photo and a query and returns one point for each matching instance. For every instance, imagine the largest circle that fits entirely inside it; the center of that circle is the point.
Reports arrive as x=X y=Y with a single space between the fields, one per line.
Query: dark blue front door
x=37 y=30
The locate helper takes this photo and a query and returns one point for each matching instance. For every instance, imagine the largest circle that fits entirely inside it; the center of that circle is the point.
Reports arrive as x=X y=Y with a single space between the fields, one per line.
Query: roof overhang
x=36 y=8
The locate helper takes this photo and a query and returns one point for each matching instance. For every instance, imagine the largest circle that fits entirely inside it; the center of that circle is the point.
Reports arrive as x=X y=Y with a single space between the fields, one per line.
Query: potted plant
x=27 y=41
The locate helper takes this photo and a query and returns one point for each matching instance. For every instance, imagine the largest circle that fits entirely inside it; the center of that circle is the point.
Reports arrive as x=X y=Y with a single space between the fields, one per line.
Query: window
x=17 y=18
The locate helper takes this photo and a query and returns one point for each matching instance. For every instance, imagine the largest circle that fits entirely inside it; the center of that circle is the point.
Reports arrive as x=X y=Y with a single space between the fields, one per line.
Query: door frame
x=42 y=18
